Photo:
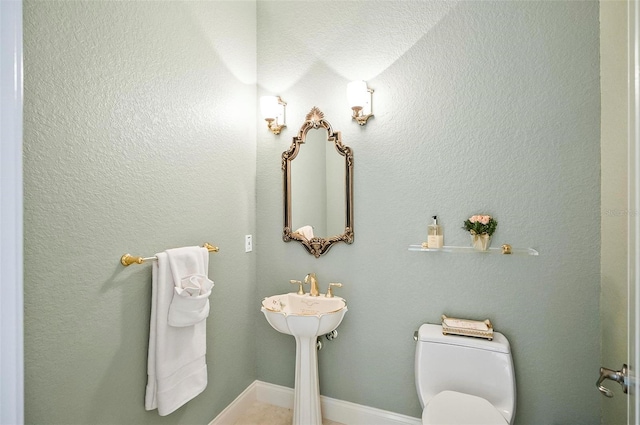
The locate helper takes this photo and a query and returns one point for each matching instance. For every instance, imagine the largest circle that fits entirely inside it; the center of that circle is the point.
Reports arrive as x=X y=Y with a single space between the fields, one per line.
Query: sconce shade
x=269 y=107
x=357 y=93
x=359 y=97
x=272 y=109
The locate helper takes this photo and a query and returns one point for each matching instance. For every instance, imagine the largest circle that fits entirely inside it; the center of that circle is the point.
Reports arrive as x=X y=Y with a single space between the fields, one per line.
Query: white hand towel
x=306 y=231
x=190 y=304
x=176 y=368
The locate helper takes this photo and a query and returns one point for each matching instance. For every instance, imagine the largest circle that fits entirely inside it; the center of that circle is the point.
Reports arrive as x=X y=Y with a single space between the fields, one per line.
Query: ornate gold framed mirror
x=318 y=188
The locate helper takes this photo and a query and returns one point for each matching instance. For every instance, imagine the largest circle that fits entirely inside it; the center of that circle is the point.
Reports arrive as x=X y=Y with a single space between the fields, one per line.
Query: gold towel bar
x=127 y=259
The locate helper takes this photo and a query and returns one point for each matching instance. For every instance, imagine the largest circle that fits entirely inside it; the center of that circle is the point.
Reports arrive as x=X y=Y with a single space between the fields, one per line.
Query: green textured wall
x=479 y=107
x=137 y=139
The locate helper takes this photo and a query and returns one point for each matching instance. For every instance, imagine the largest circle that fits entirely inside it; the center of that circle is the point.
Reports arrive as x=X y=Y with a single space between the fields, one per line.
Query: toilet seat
x=454 y=408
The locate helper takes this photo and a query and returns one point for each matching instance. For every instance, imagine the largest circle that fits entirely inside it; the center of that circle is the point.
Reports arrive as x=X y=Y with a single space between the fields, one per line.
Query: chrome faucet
x=311 y=279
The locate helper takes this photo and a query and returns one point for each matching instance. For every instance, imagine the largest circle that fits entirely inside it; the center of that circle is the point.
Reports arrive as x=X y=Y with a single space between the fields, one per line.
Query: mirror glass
x=318 y=187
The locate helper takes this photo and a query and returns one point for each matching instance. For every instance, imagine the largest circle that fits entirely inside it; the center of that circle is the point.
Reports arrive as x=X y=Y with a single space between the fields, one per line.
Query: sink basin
x=294 y=314
x=305 y=318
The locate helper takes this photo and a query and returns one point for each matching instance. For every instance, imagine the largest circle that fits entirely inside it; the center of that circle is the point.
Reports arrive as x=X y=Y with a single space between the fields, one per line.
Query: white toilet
x=463 y=380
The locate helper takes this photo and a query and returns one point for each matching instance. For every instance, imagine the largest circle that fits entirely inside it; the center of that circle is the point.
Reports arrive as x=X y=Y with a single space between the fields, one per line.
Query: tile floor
x=266 y=414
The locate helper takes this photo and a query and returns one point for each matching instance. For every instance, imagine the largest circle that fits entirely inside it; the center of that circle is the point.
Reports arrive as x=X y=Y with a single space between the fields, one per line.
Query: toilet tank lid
x=433 y=333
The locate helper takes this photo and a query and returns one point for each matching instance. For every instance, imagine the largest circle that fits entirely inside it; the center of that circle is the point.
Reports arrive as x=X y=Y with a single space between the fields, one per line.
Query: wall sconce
x=273 y=111
x=359 y=96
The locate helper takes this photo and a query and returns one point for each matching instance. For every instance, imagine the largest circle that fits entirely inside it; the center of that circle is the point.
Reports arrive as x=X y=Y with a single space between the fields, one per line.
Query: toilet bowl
x=464 y=380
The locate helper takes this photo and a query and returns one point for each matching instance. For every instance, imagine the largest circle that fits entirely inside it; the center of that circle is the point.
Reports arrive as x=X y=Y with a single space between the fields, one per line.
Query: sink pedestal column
x=306 y=408
x=305 y=317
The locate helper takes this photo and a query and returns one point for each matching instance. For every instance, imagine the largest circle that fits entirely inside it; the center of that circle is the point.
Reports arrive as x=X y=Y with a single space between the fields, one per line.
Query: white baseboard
x=332 y=409
x=356 y=414
x=241 y=404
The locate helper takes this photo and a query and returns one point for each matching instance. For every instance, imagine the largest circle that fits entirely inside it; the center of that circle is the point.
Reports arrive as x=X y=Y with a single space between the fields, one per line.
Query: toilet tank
x=468 y=365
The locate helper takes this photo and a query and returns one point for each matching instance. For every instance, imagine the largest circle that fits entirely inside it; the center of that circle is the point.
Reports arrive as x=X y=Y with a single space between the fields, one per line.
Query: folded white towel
x=306 y=231
x=176 y=368
x=190 y=304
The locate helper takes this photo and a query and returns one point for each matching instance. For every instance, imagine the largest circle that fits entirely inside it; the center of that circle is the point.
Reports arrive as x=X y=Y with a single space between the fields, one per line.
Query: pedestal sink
x=305 y=317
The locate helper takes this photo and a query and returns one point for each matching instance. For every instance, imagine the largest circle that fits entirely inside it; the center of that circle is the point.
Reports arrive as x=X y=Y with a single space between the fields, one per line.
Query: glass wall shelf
x=471 y=250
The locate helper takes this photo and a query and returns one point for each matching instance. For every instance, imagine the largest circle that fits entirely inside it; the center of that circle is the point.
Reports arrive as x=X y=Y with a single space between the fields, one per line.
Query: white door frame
x=11 y=233
x=633 y=409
